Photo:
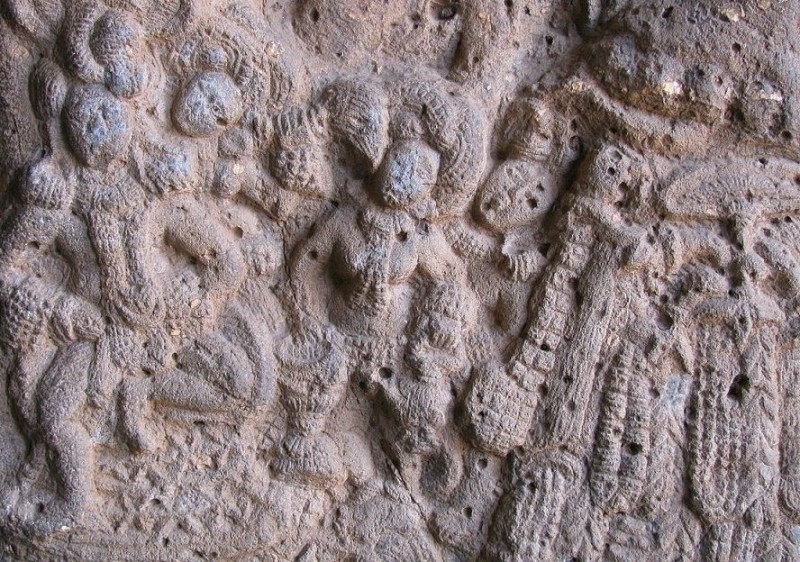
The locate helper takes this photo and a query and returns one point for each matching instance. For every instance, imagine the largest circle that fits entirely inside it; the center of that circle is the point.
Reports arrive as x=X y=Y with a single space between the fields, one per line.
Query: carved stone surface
x=399 y=280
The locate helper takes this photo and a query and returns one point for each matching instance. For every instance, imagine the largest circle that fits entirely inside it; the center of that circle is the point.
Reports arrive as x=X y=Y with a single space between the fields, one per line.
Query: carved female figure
x=356 y=266
x=362 y=266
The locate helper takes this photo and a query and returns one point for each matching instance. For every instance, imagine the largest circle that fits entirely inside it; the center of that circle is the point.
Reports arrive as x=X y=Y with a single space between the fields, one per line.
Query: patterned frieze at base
x=418 y=280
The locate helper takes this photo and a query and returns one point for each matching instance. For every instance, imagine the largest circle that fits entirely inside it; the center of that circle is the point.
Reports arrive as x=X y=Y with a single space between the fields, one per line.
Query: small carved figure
x=300 y=163
x=435 y=355
x=51 y=322
x=417 y=399
x=513 y=204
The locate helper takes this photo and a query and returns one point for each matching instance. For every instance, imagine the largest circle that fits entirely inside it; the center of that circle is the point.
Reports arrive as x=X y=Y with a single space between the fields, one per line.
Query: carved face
x=209 y=103
x=408 y=172
x=368 y=136
x=97 y=125
x=517 y=193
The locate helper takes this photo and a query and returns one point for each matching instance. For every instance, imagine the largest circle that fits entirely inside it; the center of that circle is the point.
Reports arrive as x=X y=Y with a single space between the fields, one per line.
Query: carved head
x=209 y=103
x=408 y=172
x=516 y=194
x=359 y=118
x=528 y=130
x=97 y=125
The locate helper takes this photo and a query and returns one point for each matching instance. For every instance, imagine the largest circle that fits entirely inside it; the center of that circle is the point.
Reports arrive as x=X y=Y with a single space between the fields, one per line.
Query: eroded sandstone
x=419 y=280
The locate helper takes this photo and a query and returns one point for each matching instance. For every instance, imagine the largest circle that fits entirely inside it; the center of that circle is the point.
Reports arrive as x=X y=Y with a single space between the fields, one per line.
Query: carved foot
x=41 y=519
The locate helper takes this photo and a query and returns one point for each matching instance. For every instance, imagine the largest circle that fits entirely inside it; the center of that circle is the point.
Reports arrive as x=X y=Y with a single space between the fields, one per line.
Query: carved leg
x=135 y=416
x=61 y=401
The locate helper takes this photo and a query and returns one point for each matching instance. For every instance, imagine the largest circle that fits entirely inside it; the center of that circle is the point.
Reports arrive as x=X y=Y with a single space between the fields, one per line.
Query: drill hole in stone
x=448 y=12
x=739 y=387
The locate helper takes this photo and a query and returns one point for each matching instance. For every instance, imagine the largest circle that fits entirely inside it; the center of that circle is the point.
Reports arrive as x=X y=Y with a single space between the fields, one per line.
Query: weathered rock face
x=418 y=280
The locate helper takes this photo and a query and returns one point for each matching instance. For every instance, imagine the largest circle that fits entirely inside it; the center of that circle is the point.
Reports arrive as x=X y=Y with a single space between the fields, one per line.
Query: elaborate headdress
x=453 y=127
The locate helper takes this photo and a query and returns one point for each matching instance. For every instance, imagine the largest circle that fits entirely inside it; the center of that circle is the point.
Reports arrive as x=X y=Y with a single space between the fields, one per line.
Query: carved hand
x=74 y=320
x=140 y=305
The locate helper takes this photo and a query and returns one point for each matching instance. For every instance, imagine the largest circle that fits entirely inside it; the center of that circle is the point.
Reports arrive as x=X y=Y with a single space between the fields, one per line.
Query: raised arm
x=193 y=230
x=311 y=266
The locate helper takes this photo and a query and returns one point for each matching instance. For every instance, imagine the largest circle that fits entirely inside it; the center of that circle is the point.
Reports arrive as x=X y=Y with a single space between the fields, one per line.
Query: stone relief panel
x=419 y=280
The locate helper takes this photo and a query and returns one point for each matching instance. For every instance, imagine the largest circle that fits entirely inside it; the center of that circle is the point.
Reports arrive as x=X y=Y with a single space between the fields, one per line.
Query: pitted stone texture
x=419 y=280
